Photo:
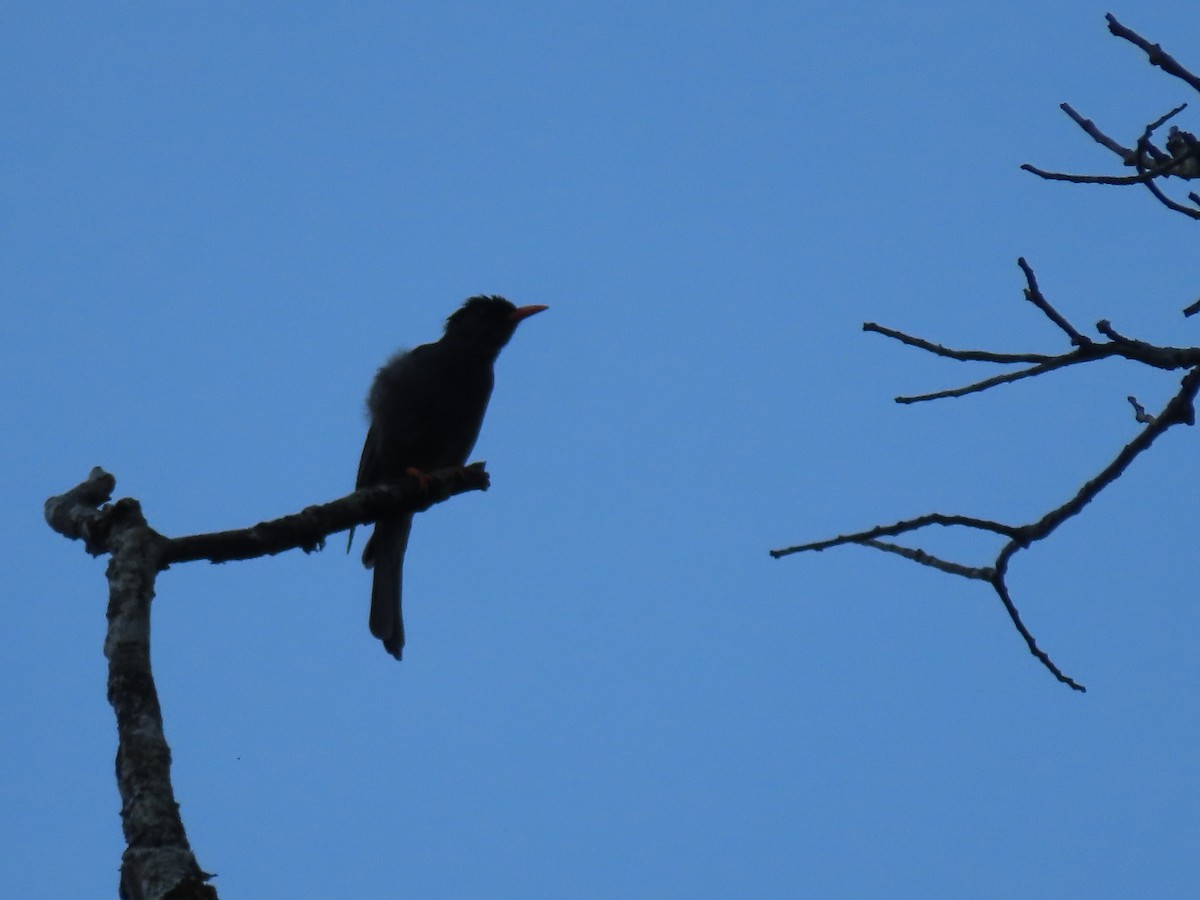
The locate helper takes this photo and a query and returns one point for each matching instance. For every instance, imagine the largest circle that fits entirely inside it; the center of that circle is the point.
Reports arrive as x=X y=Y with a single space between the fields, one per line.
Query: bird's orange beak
x=524 y=312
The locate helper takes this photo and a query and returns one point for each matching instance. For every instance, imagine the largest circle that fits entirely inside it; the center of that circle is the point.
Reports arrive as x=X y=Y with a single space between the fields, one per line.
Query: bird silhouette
x=426 y=407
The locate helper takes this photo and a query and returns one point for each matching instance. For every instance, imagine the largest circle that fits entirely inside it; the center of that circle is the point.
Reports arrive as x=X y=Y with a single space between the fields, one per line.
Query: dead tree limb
x=1155 y=53
x=1178 y=157
x=158 y=861
x=1178 y=411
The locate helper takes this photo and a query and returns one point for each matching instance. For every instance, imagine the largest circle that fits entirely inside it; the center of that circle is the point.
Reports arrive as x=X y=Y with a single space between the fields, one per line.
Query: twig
x=992 y=382
x=1148 y=175
x=928 y=559
x=1034 y=295
x=964 y=355
x=1162 y=120
x=902 y=527
x=1096 y=134
x=1171 y=204
x=1178 y=411
x=1139 y=411
x=1001 y=588
x=1154 y=53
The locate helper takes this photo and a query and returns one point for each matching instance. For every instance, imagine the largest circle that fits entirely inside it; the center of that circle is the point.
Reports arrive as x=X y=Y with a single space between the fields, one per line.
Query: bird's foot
x=423 y=479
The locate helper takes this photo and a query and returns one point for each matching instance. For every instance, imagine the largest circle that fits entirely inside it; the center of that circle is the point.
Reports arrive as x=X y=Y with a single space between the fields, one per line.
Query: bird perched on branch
x=426 y=407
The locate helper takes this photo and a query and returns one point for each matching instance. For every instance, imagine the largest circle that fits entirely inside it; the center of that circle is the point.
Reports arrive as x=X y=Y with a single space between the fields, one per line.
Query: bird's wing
x=368 y=468
x=368 y=463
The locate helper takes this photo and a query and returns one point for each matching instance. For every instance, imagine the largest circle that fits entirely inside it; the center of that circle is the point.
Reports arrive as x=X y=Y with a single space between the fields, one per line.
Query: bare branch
x=1153 y=188
x=1180 y=410
x=75 y=514
x=1139 y=411
x=158 y=860
x=1166 y=358
x=902 y=527
x=965 y=355
x=992 y=382
x=1086 y=350
x=1180 y=159
x=927 y=559
x=1034 y=295
x=1154 y=53
x=1171 y=204
x=308 y=528
x=1161 y=121
x=1097 y=135
x=1001 y=588
x=1148 y=175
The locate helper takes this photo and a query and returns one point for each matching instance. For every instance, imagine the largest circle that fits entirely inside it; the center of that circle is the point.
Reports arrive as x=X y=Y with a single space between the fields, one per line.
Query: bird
x=426 y=407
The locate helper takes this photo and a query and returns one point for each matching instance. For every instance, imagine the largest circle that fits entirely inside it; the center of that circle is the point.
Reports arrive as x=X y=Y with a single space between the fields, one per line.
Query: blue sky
x=219 y=219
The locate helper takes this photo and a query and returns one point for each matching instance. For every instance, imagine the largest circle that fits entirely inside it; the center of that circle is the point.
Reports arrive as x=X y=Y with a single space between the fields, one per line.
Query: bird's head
x=487 y=321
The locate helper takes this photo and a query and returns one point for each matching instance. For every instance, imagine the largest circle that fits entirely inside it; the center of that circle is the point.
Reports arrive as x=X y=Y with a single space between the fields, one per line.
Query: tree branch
x=1086 y=350
x=307 y=529
x=963 y=355
x=976 y=387
x=1096 y=179
x=1178 y=411
x=1034 y=295
x=1179 y=159
x=902 y=527
x=1089 y=128
x=1154 y=53
x=158 y=861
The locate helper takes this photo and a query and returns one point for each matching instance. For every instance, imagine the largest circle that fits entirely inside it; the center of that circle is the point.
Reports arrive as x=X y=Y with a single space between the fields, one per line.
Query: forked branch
x=1178 y=157
x=158 y=861
x=1180 y=410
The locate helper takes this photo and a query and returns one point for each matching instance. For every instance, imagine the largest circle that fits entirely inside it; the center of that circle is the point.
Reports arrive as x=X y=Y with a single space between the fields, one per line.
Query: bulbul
x=426 y=407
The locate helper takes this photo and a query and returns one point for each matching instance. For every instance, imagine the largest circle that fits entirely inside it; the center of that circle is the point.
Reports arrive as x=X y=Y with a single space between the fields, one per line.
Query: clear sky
x=220 y=218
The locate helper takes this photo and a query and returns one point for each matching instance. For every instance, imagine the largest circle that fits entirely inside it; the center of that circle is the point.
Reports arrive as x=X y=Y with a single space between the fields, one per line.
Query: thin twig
x=978 y=386
x=963 y=355
x=1096 y=134
x=1139 y=411
x=1161 y=121
x=1171 y=204
x=901 y=527
x=1103 y=179
x=1001 y=588
x=1034 y=295
x=917 y=555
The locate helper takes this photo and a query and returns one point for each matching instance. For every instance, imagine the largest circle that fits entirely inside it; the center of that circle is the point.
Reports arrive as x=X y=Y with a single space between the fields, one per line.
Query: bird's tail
x=385 y=552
